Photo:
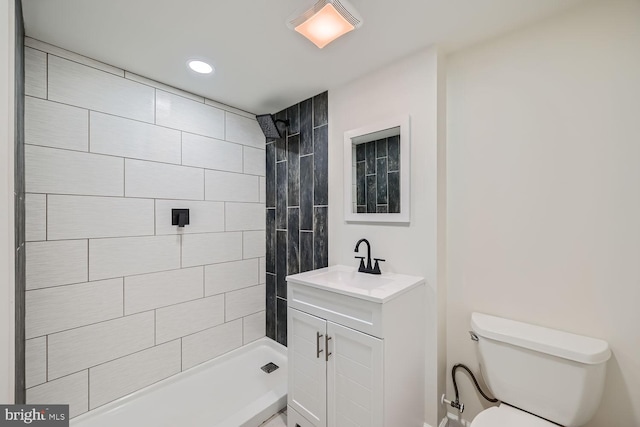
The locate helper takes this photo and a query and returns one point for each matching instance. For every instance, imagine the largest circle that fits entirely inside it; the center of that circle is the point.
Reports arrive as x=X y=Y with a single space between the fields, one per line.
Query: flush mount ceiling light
x=325 y=21
x=200 y=67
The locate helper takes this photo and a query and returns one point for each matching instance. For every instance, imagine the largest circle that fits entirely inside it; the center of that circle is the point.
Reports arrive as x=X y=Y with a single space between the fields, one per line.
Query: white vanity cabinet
x=356 y=357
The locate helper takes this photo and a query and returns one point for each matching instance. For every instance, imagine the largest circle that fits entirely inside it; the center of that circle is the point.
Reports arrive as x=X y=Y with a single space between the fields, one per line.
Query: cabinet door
x=354 y=378
x=307 y=392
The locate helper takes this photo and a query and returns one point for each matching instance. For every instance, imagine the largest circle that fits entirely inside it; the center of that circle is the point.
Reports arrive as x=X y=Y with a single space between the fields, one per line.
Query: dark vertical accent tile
x=293 y=115
x=360 y=152
x=394 y=152
x=293 y=170
x=361 y=209
x=381 y=209
x=361 y=184
x=370 y=158
x=394 y=192
x=381 y=148
x=320 y=109
x=306 y=192
x=271 y=306
x=320 y=166
x=281 y=264
x=281 y=143
x=306 y=127
x=371 y=194
x=281 y=195
x=19 y=213
x=320 y=238
x=306 y=252
x=381 y=181
x=293 y=241
x=281 y=329
x=271 y=240
x=270 y=175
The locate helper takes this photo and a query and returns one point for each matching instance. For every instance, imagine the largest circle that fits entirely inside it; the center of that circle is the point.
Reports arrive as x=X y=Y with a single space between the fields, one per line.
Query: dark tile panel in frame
x=361 y=184
x=360 y=152
x=306 y=192
x=381 y=181
x=393 y=143
x=370 y=158
x=320 y=166
x=394 y=191
x=371 y=194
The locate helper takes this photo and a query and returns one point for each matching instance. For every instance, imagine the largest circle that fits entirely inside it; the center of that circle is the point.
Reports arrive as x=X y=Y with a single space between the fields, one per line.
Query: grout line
x=89 y=131
x=155 y=326
x=155 y=106
x=46 y=66
x=123 y=298
x=46 y=351
x=88 y=389
x=88 y=263
x=46 y=216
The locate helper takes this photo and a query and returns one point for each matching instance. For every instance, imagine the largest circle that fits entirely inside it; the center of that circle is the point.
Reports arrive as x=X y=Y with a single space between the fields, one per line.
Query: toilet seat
x=508 y=416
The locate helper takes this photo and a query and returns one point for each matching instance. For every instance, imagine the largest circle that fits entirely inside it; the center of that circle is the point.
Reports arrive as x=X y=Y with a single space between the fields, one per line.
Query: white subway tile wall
x=117 y=297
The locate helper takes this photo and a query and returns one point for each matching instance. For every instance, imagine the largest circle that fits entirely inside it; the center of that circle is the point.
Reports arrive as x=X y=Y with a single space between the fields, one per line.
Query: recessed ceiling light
x=200 y=67
x=325 y=21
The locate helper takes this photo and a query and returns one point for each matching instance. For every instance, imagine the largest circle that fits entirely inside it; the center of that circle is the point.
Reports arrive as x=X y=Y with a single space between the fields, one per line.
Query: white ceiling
x=261 y=65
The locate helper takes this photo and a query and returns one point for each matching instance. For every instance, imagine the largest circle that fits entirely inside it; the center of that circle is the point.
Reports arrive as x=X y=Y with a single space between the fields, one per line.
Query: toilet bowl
x=508 y=416
x=548 y=377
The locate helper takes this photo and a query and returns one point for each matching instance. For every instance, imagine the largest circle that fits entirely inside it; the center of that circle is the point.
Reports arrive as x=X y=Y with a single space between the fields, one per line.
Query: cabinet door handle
x=318 y=349
x=326 y=345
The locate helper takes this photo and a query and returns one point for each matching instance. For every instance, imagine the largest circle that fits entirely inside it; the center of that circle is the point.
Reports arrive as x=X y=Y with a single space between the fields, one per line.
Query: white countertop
x=346 y=280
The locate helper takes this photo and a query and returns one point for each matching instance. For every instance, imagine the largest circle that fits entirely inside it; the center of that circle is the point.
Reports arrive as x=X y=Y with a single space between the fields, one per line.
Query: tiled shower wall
x=377 y=176
x=118 y=298
x=297 y=199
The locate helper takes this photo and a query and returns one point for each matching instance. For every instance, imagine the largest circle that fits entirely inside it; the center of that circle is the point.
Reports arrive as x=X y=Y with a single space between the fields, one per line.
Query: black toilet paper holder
x=180 y=217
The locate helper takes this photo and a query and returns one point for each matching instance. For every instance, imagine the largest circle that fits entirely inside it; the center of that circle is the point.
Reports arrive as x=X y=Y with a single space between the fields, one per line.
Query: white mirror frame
x=405 y=171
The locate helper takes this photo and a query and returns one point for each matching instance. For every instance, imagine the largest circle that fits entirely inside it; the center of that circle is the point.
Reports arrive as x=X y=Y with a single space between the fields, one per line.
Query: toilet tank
x=553 y=374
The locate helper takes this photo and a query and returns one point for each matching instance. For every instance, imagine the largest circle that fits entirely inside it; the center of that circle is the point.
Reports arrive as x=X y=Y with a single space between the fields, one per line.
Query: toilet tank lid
x=545 y=340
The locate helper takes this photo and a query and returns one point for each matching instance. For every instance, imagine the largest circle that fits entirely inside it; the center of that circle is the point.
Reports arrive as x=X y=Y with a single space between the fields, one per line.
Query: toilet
x=544 y=377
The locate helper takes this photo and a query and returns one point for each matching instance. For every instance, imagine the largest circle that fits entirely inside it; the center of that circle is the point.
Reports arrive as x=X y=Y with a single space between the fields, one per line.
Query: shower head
x=270 y=126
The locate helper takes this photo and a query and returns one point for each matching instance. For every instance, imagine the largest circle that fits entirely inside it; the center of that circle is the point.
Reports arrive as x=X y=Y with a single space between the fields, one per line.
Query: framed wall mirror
x=377 y=171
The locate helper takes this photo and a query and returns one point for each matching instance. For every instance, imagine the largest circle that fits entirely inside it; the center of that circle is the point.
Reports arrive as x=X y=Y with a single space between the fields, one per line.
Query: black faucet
x=367 y=269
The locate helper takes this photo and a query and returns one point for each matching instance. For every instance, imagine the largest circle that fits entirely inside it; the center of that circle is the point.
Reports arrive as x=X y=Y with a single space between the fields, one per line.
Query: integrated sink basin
x=348 y=281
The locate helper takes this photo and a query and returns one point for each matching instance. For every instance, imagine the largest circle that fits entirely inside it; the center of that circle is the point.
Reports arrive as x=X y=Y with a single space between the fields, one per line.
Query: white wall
x=7 y=267
x=409 y=87
x=544 y=189
x=118 y=298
